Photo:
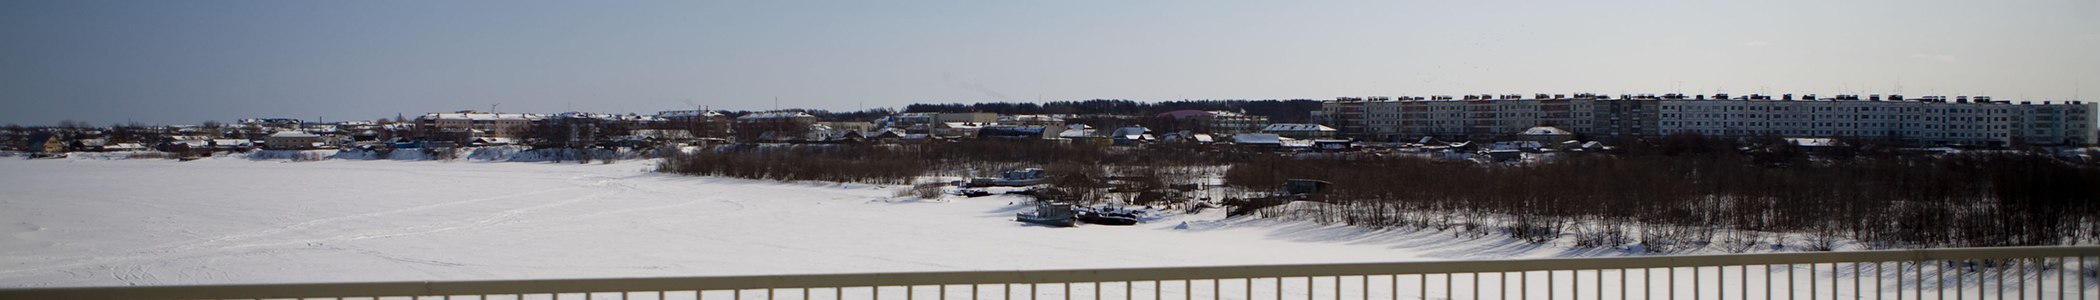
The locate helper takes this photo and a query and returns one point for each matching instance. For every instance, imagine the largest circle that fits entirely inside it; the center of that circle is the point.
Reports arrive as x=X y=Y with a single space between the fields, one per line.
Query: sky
x=185 y=62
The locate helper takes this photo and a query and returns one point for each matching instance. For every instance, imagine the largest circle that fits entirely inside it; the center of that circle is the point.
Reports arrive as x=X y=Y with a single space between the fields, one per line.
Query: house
x=1012 y=132
x=1300 y=131
x=883 y=134
x=1046 y=121
x=52 y=144
x=960 y=129
x=1076 y=131
x=908 y=121
x=491 y=141
x=778 y=126
x=125 y=147
x=211 y=144
x=1546 y=135
x=1258 y=140
x=1216 y=121
x=699 y=123
x=665 y=135
x=1187 y=137
x=1131 y=135
x=96 y=145
x=850 y=126
x=970 y=117
x=292 y=140
x=1333 y=144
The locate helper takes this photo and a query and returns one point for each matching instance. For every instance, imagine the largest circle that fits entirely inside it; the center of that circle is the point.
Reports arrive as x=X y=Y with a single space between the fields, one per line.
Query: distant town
x=1577 y=122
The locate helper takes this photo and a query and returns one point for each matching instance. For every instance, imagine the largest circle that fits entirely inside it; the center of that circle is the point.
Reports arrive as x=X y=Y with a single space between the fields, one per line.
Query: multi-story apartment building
x=773 y=127
x=1216 y=121
x=698 y=123
x=1932 y=120
x=474 y=124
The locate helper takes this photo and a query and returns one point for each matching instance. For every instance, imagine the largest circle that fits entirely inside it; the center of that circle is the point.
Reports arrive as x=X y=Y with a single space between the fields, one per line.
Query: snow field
x=238 y=221
x=228 y=221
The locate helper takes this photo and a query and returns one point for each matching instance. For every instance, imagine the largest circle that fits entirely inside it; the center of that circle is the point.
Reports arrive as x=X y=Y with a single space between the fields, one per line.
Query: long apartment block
x=1925 y=121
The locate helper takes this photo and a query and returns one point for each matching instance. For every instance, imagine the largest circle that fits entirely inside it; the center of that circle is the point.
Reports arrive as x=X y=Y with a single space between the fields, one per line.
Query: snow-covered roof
x=688 y=113
x=1029 y=118
x=293 y=134
x=1185 y=113
x=776 y=115
x=1257 y=139
x=664 y=133
x=966 y=125
x=1545 y=130
x=1297 y=127
x=1812 y=142
x=884 y=131
x=495 y=140
x=221 y=142
x=480 y=116
x=1130 y=131
x=1075 y=133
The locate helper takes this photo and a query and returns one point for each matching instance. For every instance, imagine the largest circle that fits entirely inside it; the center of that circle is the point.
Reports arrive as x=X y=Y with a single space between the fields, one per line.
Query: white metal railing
x=1967 y=273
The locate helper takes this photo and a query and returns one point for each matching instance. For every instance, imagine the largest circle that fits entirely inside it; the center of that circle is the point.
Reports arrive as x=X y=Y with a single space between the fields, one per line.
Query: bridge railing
x=2065 y=272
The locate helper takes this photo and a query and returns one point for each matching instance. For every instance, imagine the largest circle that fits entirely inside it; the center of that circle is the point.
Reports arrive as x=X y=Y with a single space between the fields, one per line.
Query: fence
x=1969 y=273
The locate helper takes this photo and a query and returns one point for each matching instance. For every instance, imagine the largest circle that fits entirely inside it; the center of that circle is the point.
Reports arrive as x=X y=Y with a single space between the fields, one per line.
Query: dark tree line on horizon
x=1714 y=196
x=1278 y=111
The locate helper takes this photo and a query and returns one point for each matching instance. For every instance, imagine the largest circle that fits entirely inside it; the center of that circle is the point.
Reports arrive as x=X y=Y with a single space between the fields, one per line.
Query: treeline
x=1278 y=111
x=1075 y=164
x=1674 y=193
x=825 y=115
x=864 y=164
x=1668 y=202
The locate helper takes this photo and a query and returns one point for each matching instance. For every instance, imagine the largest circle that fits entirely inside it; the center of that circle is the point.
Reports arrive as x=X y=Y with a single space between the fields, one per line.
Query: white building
x=1932 y=120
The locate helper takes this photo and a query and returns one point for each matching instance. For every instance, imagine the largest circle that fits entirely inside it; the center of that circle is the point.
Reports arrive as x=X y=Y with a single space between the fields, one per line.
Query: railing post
x=2019 y=278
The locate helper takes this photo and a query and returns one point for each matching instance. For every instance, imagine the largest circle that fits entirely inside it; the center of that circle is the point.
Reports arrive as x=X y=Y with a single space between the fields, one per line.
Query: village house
x=52 y=144
x=698 y=123
x=1215 y=121
x=773 y=126
x=1300 y=131
x=473 y=124
x=970 y=117
x=292 y=140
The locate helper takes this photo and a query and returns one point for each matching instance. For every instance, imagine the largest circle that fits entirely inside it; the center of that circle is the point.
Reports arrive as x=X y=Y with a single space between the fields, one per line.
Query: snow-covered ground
x=84 y=222
x=161 y=222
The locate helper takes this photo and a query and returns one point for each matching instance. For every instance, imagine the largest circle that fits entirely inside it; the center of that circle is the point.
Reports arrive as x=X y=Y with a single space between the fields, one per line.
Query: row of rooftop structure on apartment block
x=686 y=127
x=797 y=126
x=1976 y=121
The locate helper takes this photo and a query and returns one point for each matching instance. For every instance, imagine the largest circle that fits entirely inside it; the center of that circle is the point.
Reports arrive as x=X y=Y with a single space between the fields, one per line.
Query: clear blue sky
x=189 y=61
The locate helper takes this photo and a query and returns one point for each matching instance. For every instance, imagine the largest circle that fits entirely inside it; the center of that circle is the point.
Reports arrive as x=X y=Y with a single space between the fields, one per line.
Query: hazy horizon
x=184 y=62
